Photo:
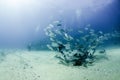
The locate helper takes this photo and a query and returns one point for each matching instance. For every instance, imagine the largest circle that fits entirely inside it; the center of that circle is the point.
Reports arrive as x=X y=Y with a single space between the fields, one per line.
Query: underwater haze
x=23 y=21
x=59 y=39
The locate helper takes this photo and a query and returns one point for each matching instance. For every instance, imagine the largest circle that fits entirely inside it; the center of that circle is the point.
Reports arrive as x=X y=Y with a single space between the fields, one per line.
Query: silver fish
x=54 y=44
x=50 y=26
x=68 y=37
x=100 y=32
x=57 y=23
x=50 y=47
x=52 y=39
x=80 y=31
x=86 y=28
x=51 y=34
x=60 y=31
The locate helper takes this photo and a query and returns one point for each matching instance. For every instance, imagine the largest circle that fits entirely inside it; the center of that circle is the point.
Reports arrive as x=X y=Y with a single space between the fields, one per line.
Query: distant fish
x=101 y=37
x=86 y=37
x=59 y=42
x=80 y=31
x=116 y=34
x=100 y=32
x=50 y=26
x=60 y=31
x=83 y=38
x=51 y=34
x=48 y=29
x=93 y=34
x=57 y=23
x=107 y=35
x=86 y=28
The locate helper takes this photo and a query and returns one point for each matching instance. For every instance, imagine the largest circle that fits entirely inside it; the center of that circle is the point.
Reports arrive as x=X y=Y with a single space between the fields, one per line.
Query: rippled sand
x=41 y=65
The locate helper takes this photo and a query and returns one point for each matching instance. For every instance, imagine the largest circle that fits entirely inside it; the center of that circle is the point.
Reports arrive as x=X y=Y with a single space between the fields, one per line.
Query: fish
x=50 y=47
x=48 y=30
x=115 y=35
x=51 y=34
x=100 y=32
x=92 y=34
x=54 y=44
x=86 y=37
x=67 y=37
x=52 y=39
x=57 y=23
x=80 y=31
x=86 y=28
x=101 y=37
x=83 y=38
x=107 y=35
x=50 y=26
x=60 y=31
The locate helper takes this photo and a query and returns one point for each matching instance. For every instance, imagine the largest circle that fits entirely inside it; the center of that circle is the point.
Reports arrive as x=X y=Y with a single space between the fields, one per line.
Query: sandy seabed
x=41 y=65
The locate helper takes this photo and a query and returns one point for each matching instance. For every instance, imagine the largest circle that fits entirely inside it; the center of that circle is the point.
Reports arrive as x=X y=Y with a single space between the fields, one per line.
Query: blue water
x=23 y=23
x=25 y=48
